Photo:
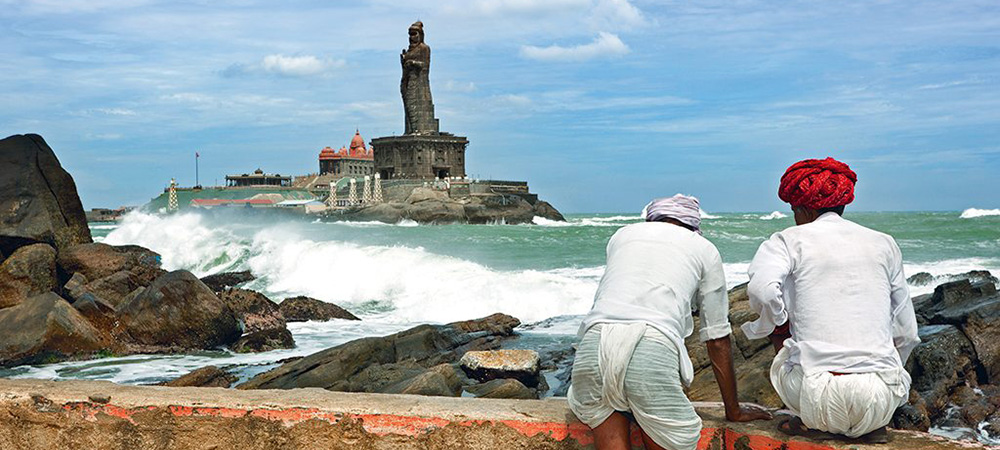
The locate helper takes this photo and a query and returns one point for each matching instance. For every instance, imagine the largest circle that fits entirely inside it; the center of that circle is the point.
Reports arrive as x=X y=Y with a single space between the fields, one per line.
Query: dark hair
x=837 y=209
x=674 y=221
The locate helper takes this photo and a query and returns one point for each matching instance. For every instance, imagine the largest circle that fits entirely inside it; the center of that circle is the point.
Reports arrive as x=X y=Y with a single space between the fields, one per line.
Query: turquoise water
x=396 y=276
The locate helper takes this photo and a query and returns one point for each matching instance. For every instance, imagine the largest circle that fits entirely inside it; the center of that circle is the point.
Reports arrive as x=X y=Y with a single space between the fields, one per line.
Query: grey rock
x=254 y=310
x=208 y=376
x=301 y=309
x=502 y=388
x=29 y=271
x=178 y=310
x=220 y=281
x=38 y=197
x=44 y=329
x=264 y=341
x=522 y=365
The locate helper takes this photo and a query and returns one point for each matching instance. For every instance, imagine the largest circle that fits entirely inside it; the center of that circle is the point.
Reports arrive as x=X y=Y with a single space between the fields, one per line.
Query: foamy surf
x=972 y=213
x=774 y=215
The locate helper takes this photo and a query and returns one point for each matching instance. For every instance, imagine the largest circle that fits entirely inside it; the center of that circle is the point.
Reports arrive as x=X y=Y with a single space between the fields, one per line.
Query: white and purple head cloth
x=682 y=208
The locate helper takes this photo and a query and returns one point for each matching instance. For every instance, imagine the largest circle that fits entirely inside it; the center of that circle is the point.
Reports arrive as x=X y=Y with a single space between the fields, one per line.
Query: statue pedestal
x=420 y=156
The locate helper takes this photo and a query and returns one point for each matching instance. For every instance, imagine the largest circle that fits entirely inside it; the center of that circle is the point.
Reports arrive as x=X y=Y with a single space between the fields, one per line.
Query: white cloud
x=289 y=66
x=604 y=45
x=116 y=111
x=458 y=86
x=616 y=13
x=505 y=7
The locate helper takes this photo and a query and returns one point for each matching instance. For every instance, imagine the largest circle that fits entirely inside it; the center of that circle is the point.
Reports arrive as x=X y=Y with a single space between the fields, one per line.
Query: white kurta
x=656 y=274
x=842 y=289
x=842 y=286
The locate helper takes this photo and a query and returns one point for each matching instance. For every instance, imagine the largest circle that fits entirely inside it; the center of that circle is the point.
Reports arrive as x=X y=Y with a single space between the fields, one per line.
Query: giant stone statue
x=416 y=85
x=423 y=151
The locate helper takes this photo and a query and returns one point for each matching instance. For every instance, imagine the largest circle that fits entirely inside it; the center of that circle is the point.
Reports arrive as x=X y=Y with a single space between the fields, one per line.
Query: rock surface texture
x=208 y=376
x=38 y=198
x=428 y=205
x=301 y=309
x=396 y=363
x=29 y=271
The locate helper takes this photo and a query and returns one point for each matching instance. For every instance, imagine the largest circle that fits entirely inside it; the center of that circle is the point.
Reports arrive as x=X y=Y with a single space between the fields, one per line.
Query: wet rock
x=113 y=288
x=944 y=359
x=97 y=260
x=220 y=281
x=502 y=388
x=301 y=309
x=178 y=310
x=44 y=329
x=208 y=376
x=77 y=281
x=975 y=310
x=264 y=341
x=29 y=271
x=253 y=309
x=920 y=279
x=38 y=197
x=913 y=415
x=521 y=365
x=546 y=210
x=423 y=346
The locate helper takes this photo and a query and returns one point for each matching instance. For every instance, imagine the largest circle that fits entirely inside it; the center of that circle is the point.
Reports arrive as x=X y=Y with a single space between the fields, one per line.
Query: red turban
x=818 y=184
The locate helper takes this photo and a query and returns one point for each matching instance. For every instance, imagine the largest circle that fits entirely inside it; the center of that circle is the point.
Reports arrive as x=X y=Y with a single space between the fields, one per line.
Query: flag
x=196 y=155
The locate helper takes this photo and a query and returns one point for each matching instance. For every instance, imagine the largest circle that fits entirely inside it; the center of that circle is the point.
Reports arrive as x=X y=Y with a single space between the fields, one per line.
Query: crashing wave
x=774 y=215
x=705 y=215
x=974 y=212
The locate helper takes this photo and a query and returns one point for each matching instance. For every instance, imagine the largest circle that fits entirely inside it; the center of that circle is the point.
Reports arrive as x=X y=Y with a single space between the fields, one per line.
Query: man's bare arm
x=720 y=352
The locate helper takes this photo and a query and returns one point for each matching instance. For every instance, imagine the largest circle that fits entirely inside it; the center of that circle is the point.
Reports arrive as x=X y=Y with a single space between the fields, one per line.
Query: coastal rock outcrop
x=302 y=309
x=45 y=328
x=436 y=206
x=254 y=310
x=264 y=341
x=178 y=310
x=29 y=271
x=208 y=376
x=97 y=260
x=220 y=281
x=38 y=197
x=521 y=365
x=379 y=364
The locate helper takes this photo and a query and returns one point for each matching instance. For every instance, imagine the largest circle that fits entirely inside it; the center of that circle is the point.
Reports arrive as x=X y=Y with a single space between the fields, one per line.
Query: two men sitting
x=830 y=293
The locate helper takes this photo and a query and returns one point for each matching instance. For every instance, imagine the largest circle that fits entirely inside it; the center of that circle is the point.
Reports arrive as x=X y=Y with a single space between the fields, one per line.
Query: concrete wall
x=96 y=415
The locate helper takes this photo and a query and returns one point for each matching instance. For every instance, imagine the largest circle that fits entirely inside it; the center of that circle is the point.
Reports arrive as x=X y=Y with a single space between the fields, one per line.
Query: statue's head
x=417 y=32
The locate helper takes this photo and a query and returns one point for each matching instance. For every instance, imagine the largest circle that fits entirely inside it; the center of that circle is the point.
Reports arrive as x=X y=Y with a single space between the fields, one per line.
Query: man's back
x=844 y=284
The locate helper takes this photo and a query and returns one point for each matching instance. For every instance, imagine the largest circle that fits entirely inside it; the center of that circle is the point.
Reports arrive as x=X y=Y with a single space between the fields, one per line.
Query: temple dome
x=357 y=142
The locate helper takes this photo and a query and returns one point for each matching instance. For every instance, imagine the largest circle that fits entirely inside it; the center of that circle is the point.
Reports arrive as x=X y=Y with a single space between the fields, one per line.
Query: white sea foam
x=705 y=215
x=773 y=215
x=543 y=222
x=972 y=213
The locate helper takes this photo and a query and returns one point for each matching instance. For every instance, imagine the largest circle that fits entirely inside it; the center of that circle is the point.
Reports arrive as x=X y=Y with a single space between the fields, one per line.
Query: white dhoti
x=849 y=404
x=633 y=368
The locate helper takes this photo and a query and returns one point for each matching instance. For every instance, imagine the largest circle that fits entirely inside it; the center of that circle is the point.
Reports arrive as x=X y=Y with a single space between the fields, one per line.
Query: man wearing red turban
x=833 y=299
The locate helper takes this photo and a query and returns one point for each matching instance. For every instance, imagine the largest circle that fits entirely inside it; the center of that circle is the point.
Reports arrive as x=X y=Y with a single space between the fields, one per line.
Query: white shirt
x=656 y=274
x=842 y=288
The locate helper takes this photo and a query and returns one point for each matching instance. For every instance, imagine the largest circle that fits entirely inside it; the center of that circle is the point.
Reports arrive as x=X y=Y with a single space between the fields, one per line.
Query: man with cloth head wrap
x=631 y=358
x=833 y=299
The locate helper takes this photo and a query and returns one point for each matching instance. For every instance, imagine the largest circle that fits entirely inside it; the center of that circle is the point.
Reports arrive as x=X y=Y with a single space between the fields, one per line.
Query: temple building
x=356 y=161
x=258 y=178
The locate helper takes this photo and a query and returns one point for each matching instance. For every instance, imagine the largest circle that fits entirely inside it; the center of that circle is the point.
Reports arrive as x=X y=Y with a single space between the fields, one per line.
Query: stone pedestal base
x=420 y=156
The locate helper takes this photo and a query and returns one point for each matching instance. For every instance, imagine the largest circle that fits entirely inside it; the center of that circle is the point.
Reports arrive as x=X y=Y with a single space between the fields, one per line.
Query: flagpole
x=197 y=183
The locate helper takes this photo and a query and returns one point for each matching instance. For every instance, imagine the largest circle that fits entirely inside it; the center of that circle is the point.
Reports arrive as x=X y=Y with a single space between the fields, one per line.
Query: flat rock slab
x=521 y=365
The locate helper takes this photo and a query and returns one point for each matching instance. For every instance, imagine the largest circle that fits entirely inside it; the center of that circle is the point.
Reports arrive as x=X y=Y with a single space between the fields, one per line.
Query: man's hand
x=747 y=413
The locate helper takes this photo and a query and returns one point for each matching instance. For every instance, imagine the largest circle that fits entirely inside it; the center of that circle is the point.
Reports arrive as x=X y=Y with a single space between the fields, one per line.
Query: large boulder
x=975 y=309
x=29 y=271
x=522 y=365
x=498 y=208
x=340 y=368
x=302 y=309
x=502 y=388
x=38 y=197
x=221 y=281
x=113 y=289
x=178 y=311
x=546 y=210
x=208 y=376
x=254 y=310
x=264 y=341
x=44 y=329
x=944 y=360
x=97 y=260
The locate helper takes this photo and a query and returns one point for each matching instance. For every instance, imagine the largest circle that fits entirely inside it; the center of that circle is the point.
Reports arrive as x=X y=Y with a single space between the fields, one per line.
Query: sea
x=395 y=276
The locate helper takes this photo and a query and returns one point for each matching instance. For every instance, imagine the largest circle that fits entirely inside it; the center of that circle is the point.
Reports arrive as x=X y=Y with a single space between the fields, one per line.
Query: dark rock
x=100 y=398
x=522 y=365
x=498 y=208
x=178 y=310
x=114 y=288
x=920 y=279
x=29 y=271
x=264 y=341
x=502 y=388
x=546 y=210
x=975 y=309
x=944 y=359
x=220 y=281
x=254 y=310
x=38 y=197
x=913 y=415
x=425 y=346
x=301 y=309
x=96 y=310
x=99 y=260
x=75 y=282
x=208 y=376
x=44 y=329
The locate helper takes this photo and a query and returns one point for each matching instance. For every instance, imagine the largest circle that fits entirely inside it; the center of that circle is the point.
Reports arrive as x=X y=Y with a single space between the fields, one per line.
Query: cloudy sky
x=599 y=104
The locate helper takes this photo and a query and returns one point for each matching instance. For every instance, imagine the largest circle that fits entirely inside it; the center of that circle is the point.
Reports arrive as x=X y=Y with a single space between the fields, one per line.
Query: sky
x=600 y=105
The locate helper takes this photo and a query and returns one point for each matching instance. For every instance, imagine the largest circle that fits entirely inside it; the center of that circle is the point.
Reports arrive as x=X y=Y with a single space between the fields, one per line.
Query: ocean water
x=396 y=276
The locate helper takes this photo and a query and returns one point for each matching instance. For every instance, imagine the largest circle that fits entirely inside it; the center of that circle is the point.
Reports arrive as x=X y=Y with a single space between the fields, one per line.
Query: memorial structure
x=423 y=151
